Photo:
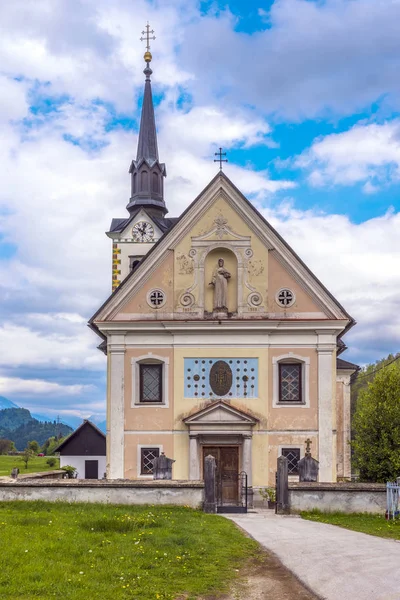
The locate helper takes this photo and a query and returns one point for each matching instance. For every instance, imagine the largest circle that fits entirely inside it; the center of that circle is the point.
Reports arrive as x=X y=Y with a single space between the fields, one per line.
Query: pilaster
x=326 y=349
x=116 y=412
x=194 y=463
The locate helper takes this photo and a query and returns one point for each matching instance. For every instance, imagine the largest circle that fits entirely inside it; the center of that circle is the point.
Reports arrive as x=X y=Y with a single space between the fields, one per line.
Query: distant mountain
x=18 y=425
x=6 y=403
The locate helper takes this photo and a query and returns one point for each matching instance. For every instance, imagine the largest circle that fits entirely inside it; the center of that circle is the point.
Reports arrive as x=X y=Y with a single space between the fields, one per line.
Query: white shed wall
x=79 y=463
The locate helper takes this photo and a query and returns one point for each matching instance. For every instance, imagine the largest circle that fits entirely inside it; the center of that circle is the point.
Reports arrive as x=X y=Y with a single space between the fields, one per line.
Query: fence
x=393 y=499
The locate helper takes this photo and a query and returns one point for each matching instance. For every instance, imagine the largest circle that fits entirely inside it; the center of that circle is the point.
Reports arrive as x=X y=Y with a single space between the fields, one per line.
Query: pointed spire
x=147 y=172
x=147 y=144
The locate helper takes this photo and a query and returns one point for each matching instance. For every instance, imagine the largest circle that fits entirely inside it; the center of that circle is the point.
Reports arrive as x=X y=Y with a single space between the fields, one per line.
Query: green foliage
x=34 y=446
x=376 y=425
x=6 y=446
x=51 y=444
x=51 y=461
x=70 y=471
x=366 y=523
x=26 y=456
x=268 y=493
x=19 y=426
x=117 y=552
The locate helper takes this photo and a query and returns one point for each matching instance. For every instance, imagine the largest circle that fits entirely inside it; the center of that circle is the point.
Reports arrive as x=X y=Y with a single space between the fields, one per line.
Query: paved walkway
x=335 y=563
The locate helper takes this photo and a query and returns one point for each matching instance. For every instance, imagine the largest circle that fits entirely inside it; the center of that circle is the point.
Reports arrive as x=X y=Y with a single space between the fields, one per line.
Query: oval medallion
x=220 y=378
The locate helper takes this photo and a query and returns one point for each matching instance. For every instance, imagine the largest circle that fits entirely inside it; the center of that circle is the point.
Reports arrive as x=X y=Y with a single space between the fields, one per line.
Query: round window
x=156 y=298
x=285 y=297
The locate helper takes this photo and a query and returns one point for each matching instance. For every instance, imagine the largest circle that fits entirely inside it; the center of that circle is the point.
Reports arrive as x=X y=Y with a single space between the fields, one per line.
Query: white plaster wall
x=346 y=501
x=103 y=492
x=79 y=463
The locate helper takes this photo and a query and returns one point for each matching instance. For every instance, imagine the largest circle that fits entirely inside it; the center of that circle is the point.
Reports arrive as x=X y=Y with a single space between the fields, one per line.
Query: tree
x=376 y=426
x=34 y=446
x=26 y=456
x=6 y=446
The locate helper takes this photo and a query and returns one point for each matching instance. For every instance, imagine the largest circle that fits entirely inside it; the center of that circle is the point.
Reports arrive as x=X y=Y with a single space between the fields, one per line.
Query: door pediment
x=220 y=416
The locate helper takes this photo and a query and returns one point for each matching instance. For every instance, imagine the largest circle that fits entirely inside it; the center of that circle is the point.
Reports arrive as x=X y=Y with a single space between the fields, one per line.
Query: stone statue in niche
x=220 y=282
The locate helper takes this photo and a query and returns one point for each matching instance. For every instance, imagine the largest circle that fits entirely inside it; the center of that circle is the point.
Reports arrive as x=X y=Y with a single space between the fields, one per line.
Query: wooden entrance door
x=91 y=469
x=227 y=462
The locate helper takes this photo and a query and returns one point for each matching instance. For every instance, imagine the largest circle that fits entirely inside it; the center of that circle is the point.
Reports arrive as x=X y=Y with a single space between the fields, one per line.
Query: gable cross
x=308 y=447
x=220 y=159
x=147 y=37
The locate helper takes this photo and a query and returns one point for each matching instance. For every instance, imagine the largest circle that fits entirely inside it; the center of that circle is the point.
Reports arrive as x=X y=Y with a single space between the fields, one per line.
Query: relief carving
x=185 y=264
x=255 y=267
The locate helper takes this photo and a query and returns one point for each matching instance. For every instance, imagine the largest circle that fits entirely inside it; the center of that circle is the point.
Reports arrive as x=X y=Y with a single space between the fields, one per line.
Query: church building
x=219 y=339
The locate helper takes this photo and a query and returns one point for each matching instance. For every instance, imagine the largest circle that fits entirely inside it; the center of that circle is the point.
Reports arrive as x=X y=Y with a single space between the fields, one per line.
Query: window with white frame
x=150 y=380
x=147 y=457
x=291 y=380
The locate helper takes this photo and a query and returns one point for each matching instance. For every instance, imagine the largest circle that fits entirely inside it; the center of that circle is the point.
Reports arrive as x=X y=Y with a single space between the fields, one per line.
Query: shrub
x=51 y=461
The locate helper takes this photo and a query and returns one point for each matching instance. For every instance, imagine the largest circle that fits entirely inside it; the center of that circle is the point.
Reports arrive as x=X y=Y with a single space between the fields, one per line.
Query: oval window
x=221 y=378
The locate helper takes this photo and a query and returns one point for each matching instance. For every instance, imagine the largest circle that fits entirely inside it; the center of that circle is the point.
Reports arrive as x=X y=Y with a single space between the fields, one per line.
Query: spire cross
x=220 y=154
x=147 y=37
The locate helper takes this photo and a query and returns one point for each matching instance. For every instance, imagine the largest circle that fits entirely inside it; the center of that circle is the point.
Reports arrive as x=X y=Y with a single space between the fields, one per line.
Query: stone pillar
x=282 y=486
x=115 y=434
x=194 y=463
x=247 y=466
x=327 y=466
x=210 y=499
x=346 y=427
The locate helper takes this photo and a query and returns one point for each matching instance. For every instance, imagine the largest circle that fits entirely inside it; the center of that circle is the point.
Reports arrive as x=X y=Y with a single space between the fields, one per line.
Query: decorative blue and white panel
x=221 y=378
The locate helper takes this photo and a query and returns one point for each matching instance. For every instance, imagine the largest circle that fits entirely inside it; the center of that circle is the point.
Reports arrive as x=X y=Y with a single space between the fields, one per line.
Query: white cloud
x=366 y=153
x=313 y=58
x=29 y=387
x=57 y=341
x=359 y=264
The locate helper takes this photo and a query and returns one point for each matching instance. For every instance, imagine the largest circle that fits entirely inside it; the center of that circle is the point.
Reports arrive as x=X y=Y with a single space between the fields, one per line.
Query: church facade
x=218 y=337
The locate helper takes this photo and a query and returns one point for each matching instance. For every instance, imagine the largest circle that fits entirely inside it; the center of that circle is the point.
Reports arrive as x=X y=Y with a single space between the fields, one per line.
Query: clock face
x=143 y=232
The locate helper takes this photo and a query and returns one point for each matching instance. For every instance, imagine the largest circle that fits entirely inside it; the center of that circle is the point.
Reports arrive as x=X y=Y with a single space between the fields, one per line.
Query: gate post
x=282 y=486
x=210 y=501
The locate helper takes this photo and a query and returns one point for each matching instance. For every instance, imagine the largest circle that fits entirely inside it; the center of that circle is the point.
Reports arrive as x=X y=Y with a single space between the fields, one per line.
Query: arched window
x=291 y=374
x=155 y=186
x=150 y=380
x=144 y=181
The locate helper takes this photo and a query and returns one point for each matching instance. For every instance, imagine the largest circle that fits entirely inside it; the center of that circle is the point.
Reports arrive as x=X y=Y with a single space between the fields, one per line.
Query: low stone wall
x=341 y=497
x=57 y=474
x=119 y=491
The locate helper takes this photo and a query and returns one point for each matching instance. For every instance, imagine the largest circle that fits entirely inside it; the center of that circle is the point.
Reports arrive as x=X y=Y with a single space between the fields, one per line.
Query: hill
x=18 y=425
x=6 y=403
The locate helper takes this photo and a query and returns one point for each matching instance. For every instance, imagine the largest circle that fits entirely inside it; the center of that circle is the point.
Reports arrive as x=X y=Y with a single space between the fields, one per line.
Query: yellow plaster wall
x=150 y=418
x=260 y=459
x=257 y=407
x=277 y=440
x=131 y=450
x=163 y=278
x=258 y=266
x=279 y=278
x=287 y=417
x=181 y=455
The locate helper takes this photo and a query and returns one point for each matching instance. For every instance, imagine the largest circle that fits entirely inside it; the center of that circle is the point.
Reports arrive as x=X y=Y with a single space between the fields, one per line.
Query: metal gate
x=232 y=481
x=393 y=499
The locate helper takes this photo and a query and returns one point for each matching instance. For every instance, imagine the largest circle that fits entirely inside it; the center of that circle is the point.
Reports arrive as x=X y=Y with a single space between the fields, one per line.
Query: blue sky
x=303 y=95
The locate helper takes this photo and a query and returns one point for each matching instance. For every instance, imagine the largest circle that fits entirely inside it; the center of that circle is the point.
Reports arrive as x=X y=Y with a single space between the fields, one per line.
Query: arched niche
x=155 y=183
x=231 y=265
x=144 y=181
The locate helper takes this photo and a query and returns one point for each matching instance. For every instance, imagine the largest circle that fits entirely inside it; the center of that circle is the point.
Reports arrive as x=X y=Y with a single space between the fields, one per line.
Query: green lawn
x=366 y=523
x=89 y=551
x=37 y=464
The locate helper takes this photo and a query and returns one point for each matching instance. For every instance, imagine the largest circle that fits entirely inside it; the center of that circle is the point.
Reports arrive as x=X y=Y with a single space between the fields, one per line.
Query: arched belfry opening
x=221 y=281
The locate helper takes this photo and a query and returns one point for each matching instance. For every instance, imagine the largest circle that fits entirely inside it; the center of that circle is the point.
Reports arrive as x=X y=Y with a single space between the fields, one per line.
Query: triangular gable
x=220 y=413
x=86 y=440
x=221 y=186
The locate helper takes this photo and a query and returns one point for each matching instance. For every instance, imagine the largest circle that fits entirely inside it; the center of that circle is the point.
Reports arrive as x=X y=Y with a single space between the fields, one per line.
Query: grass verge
x=363 y=522
x=36 y=465
x=84 y=551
